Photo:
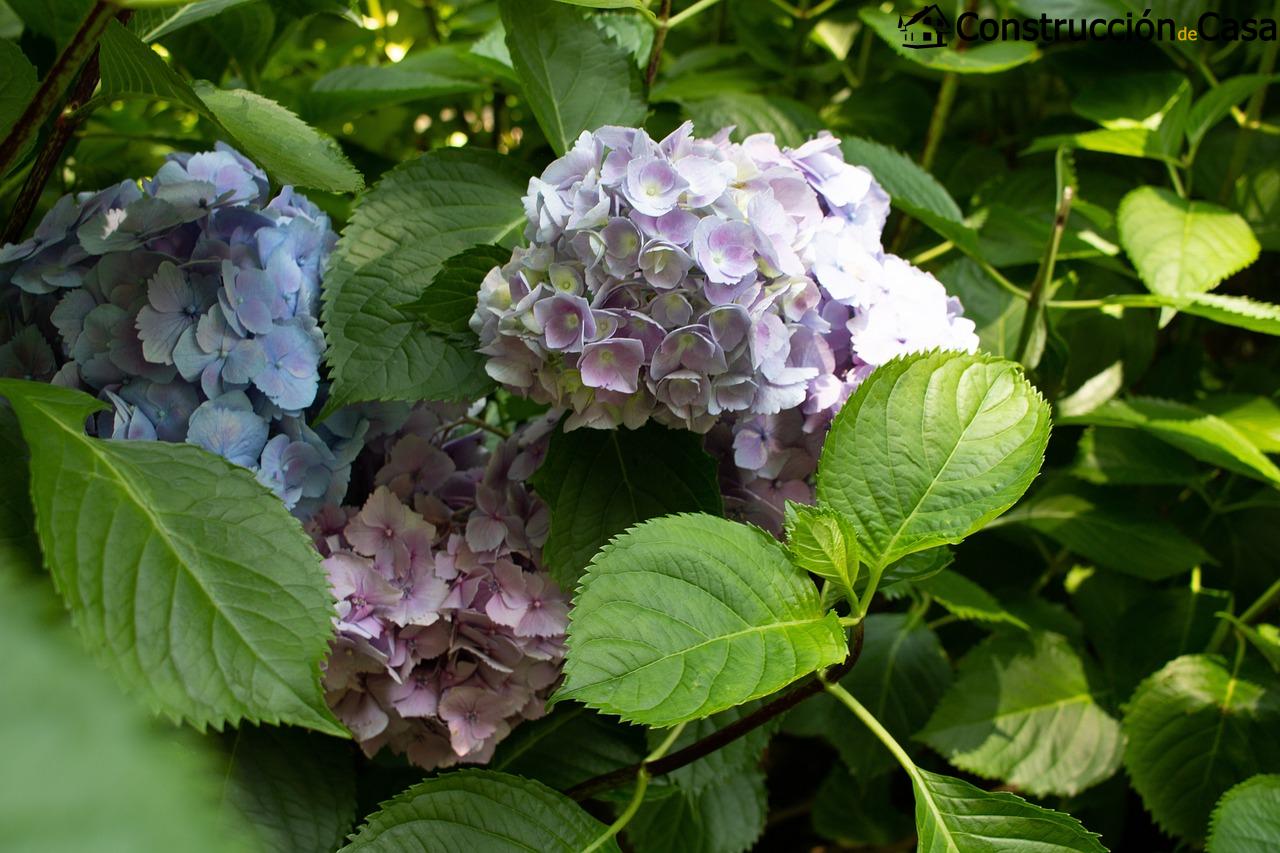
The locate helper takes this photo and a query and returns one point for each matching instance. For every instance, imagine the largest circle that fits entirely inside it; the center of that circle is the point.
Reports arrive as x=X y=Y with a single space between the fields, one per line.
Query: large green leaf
x=479 y=810
x=912 y=190
x=600 y=482
x=1194 y=729
x=294 y=790
x=1205 y=436
x=18 y=543
x=791 y=122
x=687 y=615
x=574 y=76
x=450 y=299
x=184 y=575
x=726 y=817
x=1110 y=532
x=570 y=745
x=357 y=89
x=132 y=69
x=1247 y=819
x=965 y=599
x=420 y=214
x=85 y=768
x=953 y=816
x=289 y=149
x=901 y=674
x=930 y=448
x=1107 y=456
x=17 y=83
x=1180 y=247
x=1240 y=311
x=1022 y=710
x=982 y=58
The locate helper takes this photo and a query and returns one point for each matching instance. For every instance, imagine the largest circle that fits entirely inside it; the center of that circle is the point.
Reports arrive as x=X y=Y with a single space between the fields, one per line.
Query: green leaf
x=358 y=89
x=1257 y=418
x=132 y=69
x=1180 y=247
x=637 y=5
x=1207 y=437
x=1240 y=311
x=856 y=811
x=1022 y=710
x=823 y=543
x=160 y=24
x=1247 y=819
x=1124 y=141
x=1110 y=532
x=422 y=213
x=1213 y=106
x=568 y=746
x=929 y=449
x=600 y=482
x=574 y=76
x=791 y=122
x=289 y=149
x=17 y=83
x=1121 y=457
x=188 y=578
x=901 y=674
x=479 y=810
x=1144 y=100
x=965 y=599
x=982 y=58
x=295 y=790
x=726 y=817
x=1264 y=638
x=953 y=816
x=84 y=767
x=1194 y=729
x=996 y=312
x=18 y=543
x=915 y=567
x=911 y=189
x=687 y=615
x=450 y=299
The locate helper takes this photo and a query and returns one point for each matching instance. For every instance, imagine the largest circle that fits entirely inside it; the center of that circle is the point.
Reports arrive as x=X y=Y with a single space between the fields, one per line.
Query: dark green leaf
x=479 y=810
x=726 y=817
x=600 y=482
x=1247 y=819
x=449 y=301
x=574 y=76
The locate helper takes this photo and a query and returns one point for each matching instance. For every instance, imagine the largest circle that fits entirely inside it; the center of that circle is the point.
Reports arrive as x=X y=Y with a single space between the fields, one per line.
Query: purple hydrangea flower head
x=448 y=631
x=738 y=268
x=188 y=301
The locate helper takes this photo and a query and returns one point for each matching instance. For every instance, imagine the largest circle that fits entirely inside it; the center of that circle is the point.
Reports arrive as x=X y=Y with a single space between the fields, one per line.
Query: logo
x=926 y=28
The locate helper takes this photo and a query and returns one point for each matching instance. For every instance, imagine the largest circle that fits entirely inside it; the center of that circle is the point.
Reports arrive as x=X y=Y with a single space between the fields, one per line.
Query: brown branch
x=49 y=94
x=659 y=39
x=725 y=736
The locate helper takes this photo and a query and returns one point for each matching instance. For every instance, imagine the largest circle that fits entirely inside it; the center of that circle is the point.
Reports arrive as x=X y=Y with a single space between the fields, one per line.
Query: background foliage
x=1106 y=211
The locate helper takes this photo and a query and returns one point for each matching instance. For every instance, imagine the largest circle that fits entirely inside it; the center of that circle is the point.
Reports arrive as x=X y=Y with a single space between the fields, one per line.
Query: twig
x=1035 y=302
x=725 y=736
x=64 y=127
x=49 y=94
x=659 y=39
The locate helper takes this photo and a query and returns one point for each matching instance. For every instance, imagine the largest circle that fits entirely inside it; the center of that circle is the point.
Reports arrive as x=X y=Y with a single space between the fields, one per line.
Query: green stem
x=1175 y=180
x=1264 y=603
x=637 y=800
x=1035 y=302
x=999 y=277
x=938 y=121
x=680 y=17
x=1252 y=113
x=936 y=252
x=642 y=785
x=49 y=95
x=869 y=720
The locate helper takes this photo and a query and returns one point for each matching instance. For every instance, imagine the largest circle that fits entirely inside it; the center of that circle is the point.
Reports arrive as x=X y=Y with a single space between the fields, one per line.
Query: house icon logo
x=926 y=28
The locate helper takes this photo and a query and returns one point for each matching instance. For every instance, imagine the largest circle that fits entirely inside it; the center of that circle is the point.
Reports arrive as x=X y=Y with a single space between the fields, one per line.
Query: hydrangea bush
x=662 y=425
